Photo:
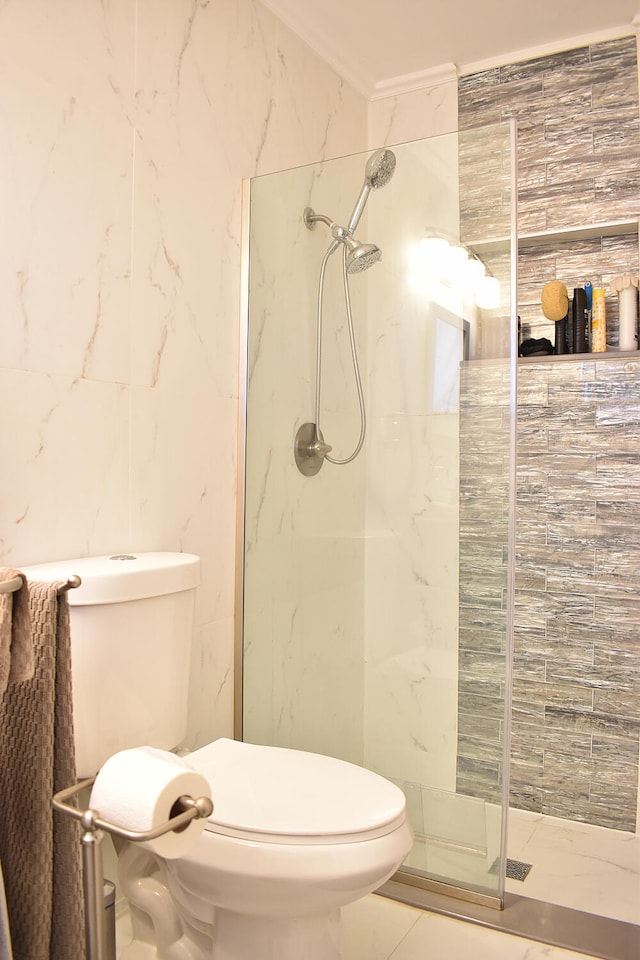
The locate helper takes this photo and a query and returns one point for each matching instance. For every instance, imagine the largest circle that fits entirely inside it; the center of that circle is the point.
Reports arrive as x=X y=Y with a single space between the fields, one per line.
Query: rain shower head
x=378 y=171
x=360 y=256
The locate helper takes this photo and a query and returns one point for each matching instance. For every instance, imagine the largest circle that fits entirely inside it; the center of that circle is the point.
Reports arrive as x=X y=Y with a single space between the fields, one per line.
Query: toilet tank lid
x=122 y=576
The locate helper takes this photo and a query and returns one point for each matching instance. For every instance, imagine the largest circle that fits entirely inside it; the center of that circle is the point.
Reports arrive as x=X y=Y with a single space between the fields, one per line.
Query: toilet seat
x=276 y=795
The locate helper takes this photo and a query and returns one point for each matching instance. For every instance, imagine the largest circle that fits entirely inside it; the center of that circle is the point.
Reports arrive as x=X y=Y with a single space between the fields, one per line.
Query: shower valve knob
x=310 y=449
x=319 y=448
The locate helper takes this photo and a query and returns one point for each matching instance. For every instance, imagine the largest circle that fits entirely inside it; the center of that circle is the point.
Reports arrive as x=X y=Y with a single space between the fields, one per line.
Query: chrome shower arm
x=310 y=218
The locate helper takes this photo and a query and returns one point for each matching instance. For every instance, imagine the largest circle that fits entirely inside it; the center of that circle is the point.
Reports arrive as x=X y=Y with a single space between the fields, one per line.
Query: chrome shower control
x=310 y=449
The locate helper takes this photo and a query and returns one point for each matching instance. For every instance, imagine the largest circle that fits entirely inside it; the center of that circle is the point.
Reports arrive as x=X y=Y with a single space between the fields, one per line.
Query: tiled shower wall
x=578 y=127
x=484 y=494
x=576 y=688
x=576 y=705
x=576 y=667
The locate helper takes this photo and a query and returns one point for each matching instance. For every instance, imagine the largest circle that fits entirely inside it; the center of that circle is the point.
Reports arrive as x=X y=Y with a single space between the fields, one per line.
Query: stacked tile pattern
x=578 y=126
x=576 y=698
x=484 y=534
x=576 y=687
x=576 y=667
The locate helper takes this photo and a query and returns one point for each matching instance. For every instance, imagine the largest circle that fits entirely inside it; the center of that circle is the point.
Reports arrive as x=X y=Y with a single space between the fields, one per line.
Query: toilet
x=293 y=836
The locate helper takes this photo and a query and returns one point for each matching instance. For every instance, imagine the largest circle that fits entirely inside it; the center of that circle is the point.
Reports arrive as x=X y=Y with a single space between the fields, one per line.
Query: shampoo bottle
x=598 y=322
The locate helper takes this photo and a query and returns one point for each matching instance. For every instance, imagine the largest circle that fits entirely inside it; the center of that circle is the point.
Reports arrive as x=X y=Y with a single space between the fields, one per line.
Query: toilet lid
x=275 y=794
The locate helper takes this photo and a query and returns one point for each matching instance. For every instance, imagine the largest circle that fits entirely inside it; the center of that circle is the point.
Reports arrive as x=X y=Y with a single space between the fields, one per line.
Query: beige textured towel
x=16 y=647
x=40 y=847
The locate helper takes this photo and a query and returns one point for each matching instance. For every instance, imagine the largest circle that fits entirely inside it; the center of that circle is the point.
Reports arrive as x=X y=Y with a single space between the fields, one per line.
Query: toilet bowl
x=293 y=837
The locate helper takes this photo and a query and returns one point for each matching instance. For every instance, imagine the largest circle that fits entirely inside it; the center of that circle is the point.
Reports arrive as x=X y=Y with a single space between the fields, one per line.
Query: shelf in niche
x=582 y=357
x=612 y=228
x=560 y=358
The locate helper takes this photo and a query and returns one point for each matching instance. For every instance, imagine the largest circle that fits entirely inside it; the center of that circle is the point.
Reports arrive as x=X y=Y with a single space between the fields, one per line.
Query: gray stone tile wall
x=578 y=135
x=578 y=126
x=576 y=696
x=576 y=686
x=484 y=497
x=576 y=669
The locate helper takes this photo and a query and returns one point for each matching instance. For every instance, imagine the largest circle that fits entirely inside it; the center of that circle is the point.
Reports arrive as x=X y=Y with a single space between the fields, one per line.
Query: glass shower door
x=377 y=594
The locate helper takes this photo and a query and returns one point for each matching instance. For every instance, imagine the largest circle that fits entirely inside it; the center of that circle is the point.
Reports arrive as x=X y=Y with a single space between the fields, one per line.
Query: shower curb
x=532 y=919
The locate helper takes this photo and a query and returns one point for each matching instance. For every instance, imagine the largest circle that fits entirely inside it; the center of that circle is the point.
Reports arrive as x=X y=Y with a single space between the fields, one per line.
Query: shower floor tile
x=577 y=865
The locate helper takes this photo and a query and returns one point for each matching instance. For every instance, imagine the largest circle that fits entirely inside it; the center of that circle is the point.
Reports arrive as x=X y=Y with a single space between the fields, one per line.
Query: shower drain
x=516 y=869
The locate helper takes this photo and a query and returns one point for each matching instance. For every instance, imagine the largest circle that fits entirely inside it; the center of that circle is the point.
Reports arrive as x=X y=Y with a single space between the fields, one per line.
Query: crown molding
x=364 y=84
x=555 y=46
x=412 y=82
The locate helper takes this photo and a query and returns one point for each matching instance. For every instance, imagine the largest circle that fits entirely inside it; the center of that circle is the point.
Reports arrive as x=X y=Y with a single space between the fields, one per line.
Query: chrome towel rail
x=10 y=586
x=93 y=876
x=189 y=809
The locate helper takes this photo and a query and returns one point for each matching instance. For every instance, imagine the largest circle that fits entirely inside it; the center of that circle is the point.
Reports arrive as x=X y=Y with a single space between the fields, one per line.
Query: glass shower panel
x=376 y=594
x=304 y=545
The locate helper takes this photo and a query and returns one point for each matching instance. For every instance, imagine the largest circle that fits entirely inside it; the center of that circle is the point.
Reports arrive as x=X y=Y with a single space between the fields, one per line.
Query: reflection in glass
x=376 y=594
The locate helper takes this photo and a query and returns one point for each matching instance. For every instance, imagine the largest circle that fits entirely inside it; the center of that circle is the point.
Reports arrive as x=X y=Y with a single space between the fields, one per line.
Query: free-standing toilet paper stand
x=185 y=809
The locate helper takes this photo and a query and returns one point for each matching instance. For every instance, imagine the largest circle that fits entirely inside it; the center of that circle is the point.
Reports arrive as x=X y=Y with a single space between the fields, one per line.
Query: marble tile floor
x=376 y=928
x=577 y=865
x=574 y=865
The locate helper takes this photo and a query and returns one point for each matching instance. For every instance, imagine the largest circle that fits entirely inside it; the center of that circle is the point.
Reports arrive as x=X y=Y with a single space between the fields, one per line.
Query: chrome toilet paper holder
x=92 y=866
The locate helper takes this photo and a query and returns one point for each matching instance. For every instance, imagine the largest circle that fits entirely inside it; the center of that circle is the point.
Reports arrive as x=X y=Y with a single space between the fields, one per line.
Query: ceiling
x=371 y=43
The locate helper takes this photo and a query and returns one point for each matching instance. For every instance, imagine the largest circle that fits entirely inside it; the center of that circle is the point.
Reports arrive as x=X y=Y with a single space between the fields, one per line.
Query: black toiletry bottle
x=562 y=344
x=570 y=328
x=580 y=321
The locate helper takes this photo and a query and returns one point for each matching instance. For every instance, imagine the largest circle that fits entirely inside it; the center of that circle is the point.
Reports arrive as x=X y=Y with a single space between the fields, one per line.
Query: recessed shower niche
x=358 y=579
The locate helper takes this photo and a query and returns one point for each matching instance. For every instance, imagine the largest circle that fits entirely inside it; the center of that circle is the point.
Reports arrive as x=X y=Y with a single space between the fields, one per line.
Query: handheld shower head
x=310 y=449
x=380 y=168
x=378 y=171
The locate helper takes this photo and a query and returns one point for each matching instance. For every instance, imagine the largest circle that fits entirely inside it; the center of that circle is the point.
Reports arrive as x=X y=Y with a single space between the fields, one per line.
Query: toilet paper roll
x=137 y=788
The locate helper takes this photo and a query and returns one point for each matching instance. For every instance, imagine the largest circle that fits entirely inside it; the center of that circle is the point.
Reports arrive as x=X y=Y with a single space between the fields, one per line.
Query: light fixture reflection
x=432 y=253
x=488 y=293
x=474 y=273
x=454 y=266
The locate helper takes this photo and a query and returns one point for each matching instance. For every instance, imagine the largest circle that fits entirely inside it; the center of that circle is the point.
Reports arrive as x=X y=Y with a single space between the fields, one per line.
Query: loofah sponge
x=555 y=300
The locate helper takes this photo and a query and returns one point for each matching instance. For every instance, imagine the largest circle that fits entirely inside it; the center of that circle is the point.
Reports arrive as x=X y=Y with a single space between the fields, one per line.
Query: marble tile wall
x=415 y=114
x=126 y=128
x=304 y=543
x=341 y=594
x=576 y=683
x=411 y=488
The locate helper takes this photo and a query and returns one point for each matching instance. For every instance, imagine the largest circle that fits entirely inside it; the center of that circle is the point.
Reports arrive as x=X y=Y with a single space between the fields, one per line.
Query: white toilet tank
x=131 y=624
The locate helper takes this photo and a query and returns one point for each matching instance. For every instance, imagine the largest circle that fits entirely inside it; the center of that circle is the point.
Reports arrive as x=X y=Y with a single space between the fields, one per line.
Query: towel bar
x=91 y=840
x=10 y=586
